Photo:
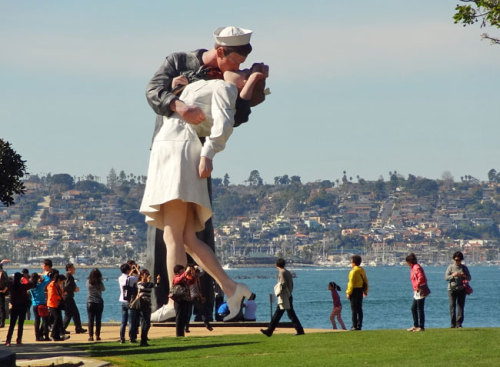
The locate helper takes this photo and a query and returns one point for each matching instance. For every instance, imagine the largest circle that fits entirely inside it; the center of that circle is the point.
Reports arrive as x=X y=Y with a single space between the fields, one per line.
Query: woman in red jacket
x=419 y=283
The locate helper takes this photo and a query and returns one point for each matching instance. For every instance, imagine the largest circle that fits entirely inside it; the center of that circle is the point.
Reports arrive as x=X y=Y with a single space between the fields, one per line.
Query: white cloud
x=347 y=50
x=320 y=48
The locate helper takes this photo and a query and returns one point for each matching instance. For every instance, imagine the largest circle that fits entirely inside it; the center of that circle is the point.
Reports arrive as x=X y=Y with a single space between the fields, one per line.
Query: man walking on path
x=70 y=308
x=283 y=290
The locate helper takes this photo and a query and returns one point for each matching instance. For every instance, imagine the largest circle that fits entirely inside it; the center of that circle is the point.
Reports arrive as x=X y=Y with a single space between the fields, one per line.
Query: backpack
x=129 y=291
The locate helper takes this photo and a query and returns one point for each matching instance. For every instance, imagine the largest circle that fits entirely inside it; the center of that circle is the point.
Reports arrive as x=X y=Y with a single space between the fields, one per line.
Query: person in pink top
x=419 y=283
x=337 y=306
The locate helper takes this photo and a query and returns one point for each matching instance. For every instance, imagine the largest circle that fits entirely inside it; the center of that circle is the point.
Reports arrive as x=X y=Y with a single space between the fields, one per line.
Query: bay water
x=386 y=307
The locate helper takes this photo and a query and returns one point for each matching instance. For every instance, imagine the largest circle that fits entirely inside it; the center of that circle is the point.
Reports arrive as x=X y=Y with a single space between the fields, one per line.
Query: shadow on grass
x=114 y=350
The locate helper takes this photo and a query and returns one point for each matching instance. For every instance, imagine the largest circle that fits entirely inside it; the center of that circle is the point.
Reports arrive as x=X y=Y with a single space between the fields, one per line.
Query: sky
x=366 y=87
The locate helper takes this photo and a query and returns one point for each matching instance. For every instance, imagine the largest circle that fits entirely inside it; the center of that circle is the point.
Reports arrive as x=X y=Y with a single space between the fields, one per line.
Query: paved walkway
x=110 y=332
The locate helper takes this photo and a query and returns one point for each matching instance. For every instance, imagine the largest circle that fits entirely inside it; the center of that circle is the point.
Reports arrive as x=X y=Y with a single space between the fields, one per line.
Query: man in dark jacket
x=70 y=308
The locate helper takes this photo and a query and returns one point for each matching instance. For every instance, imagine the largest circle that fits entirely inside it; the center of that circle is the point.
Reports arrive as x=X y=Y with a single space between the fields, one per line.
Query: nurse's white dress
x=176 y=151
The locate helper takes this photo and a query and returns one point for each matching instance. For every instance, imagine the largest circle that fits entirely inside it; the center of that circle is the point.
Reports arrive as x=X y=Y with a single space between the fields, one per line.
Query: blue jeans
x=123 y=325
x=418 y=313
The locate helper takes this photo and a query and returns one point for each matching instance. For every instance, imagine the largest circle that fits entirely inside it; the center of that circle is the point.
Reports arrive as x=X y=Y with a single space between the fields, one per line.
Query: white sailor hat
x=232 y=36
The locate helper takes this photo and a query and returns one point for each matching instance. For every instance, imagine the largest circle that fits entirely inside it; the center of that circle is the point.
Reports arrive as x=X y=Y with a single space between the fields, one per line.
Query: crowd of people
x=457 y=276
x=49 y=293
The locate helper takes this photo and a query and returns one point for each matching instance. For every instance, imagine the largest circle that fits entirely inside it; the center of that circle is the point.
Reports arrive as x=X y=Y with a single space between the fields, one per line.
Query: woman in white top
x=176 y=196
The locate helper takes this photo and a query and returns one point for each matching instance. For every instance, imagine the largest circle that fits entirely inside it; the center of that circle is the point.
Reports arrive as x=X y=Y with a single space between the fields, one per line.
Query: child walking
x=337 y=306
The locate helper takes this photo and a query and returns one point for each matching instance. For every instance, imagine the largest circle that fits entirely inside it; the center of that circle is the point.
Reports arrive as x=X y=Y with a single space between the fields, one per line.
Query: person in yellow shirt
x=357 y=289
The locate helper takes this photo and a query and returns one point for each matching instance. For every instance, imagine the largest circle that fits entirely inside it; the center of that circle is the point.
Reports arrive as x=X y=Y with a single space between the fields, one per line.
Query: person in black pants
x=95 y=303
x=40 y=310
x=54 y=302
x=70 y=308
x=283 y=291
x=4 y=290
x=19 y=303
x=181 y=304
x=455 y=275
x=357 y=289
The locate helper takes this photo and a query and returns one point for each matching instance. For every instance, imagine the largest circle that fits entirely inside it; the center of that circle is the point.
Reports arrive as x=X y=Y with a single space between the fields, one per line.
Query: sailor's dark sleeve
x=242 y=111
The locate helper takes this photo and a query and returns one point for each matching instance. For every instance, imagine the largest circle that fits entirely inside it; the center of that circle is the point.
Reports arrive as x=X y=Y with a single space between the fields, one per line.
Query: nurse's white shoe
x=164 y=313
x=236 y=300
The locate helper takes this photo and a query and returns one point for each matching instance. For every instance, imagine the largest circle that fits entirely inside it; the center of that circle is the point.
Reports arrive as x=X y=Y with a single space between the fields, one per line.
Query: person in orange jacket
x=54 y=303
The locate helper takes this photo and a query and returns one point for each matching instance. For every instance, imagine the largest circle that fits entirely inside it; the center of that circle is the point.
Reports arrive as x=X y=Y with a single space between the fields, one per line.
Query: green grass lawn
x=434 y=347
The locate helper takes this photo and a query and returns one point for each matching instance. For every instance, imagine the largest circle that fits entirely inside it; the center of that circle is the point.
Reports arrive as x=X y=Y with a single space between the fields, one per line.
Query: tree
x=254 y=179
x=112 y=179
x=225 y=182
x=12 y=169
x=61 y=182
x=487 y=12
x=493 y=176
x=282 y=180
x=122 y=177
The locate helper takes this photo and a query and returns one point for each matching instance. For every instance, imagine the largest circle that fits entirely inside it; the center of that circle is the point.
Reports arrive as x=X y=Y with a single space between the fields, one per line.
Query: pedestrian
x=40 y=309
x=55 y=304
x=197 y=302
x=128 y=291
x=144 y=290
x=250 y=309
x=70 y=307
x=4 y=291
x=180 y=296
x=25 y=280
x=134 y=315
x=420 y=287
x=283 y=290
x=455 y=275
x=357 y=289
x=18 y=307
x=95 y=303
x=337 y=306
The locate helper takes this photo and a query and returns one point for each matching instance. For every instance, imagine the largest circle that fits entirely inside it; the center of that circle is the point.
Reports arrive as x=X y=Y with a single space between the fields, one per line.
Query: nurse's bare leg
x=205 y=257
x=174 y=221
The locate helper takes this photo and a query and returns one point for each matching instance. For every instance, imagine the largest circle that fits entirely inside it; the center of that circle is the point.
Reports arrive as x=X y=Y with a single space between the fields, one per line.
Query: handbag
x=43 y=310
x=424 y=290
x=179 y=292
x=467 y=288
